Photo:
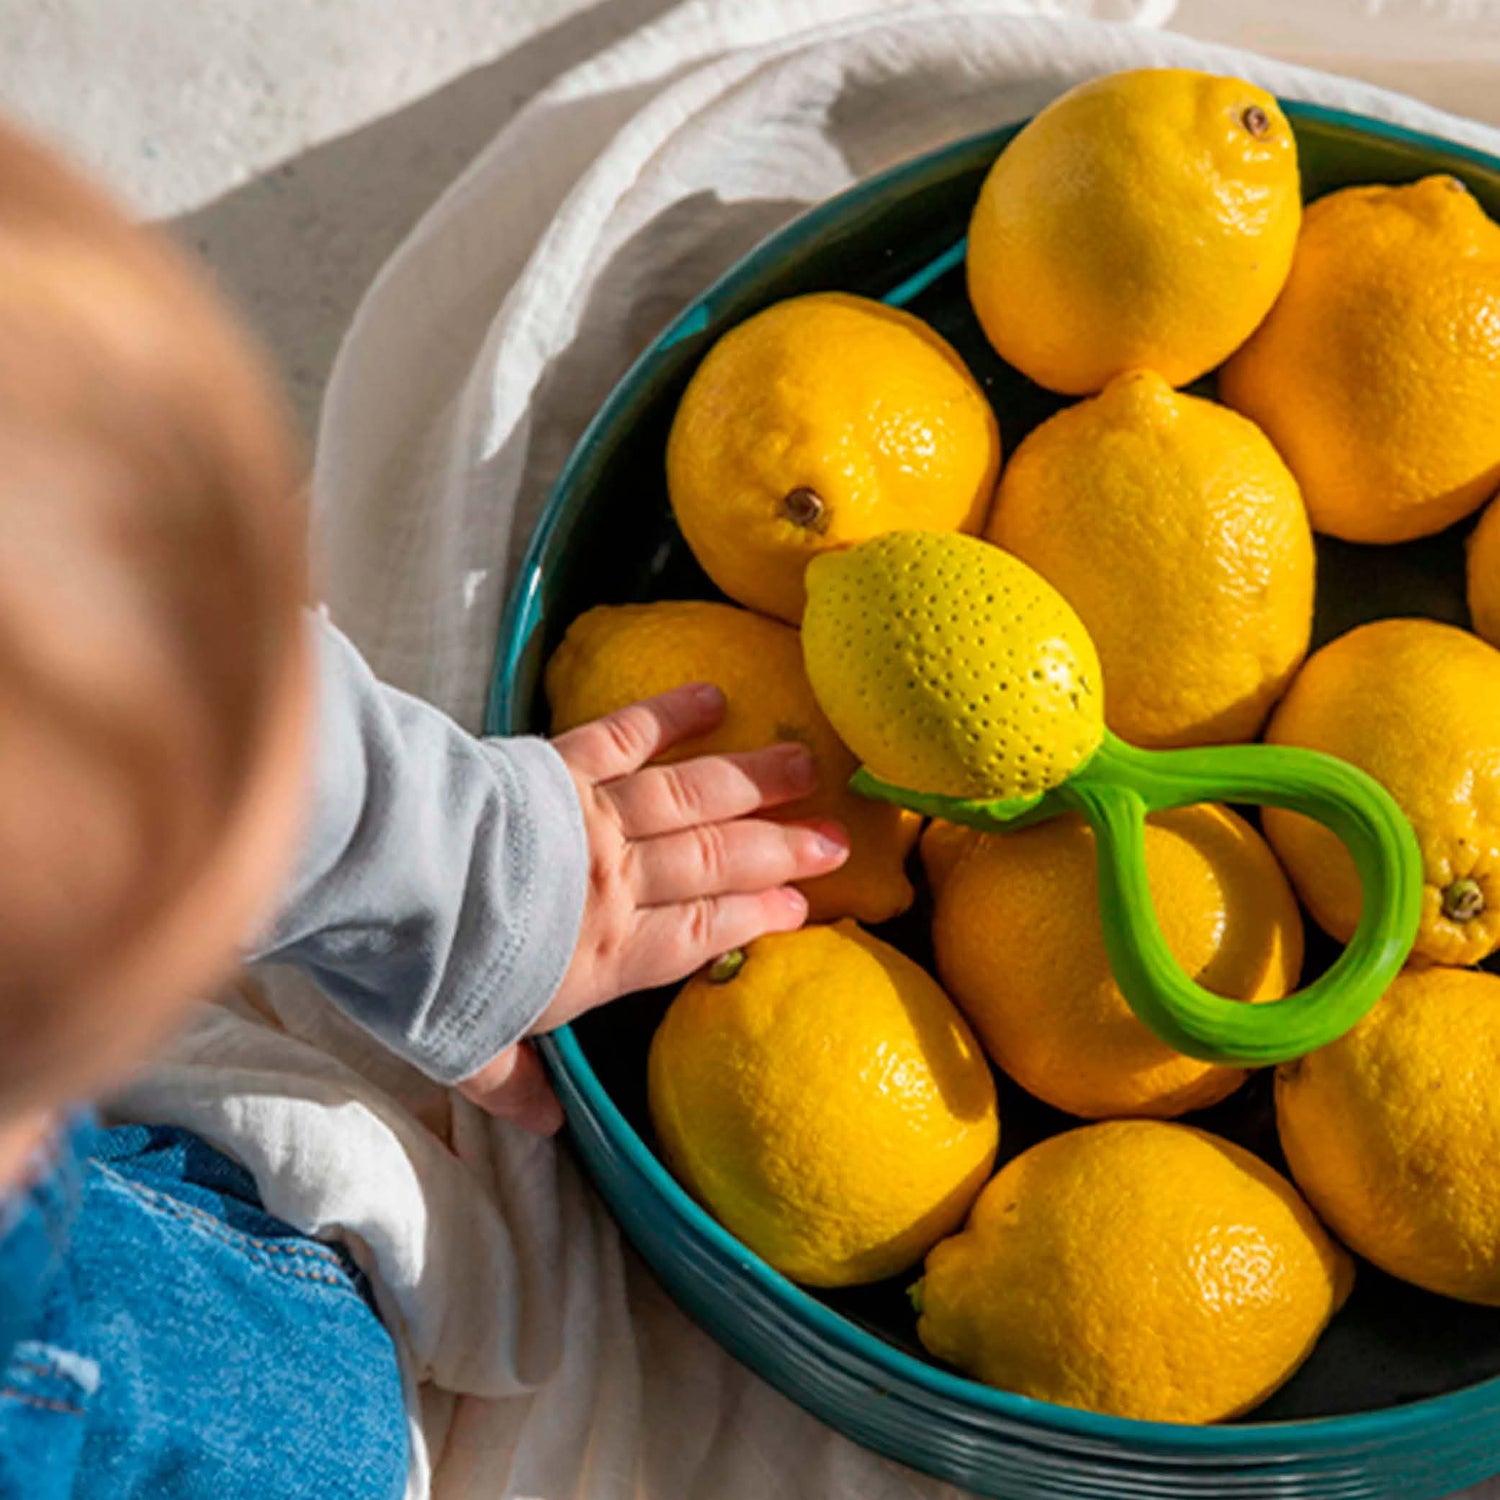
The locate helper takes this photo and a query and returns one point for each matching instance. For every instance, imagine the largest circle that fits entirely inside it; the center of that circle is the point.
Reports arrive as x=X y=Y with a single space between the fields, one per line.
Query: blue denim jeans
x=161 y=1335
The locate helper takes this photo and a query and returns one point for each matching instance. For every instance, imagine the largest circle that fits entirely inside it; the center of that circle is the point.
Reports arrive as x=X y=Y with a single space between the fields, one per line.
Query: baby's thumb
x=513 y=1086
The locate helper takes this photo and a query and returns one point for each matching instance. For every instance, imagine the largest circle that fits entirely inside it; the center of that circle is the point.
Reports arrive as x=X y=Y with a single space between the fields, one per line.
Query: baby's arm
x=440 y=882
x=455 y=894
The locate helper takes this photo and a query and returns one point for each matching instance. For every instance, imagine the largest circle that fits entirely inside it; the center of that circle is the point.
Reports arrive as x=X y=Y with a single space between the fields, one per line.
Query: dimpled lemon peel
x=949 y=666
x=1142 y=220
x=824 y=420
x=824 y=1098
x=1135 y=1267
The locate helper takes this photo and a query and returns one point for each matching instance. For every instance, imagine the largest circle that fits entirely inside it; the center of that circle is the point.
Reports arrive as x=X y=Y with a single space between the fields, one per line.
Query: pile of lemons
x=830 y=1101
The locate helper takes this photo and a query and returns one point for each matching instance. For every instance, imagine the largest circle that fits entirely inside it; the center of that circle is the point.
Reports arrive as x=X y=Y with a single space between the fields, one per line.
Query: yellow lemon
x=1484 y=575
x=1177 y=533
x=1145 y=219
x=1393 y=1132
x=1020 y=949
x=1417 y=705
x=1377 y=374
x=948 y=666
x=1137 y=1268
x=819 y=422
x=825 y=1101
x=618 y=654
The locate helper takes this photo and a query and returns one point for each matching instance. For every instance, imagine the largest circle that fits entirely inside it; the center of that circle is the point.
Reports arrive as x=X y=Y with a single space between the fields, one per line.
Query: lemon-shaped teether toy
x=971 y=691
x=956 y=670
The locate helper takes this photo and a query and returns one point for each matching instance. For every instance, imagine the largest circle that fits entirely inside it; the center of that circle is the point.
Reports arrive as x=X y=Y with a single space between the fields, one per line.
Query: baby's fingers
x=623 y=742
x=669 y=942
x=663 y=799
x=745 y=855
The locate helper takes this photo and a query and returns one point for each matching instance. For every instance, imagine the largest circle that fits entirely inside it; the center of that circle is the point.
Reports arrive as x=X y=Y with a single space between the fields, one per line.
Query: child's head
x=152 y=671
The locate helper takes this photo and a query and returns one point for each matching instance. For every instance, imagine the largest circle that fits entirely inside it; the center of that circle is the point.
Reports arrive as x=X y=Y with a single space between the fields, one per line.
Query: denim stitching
x=27 y=1399
x=237 y=1238
x=327 y=1280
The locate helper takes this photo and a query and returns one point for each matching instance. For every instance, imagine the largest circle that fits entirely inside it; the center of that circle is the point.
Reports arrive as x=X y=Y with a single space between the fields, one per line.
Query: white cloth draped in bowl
x=546 y=1364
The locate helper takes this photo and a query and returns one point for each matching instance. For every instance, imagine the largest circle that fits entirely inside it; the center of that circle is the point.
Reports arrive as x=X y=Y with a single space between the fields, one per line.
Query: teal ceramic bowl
x=1402 y=1397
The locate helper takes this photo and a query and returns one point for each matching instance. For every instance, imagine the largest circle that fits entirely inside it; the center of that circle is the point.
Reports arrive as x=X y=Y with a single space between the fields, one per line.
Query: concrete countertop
x=292 y=143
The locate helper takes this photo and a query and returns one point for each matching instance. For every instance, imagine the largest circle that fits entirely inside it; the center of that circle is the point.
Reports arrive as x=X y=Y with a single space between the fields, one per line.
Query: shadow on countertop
x=296 y=248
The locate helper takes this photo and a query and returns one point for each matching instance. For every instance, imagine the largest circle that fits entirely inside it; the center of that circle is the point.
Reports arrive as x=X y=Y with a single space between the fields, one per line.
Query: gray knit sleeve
x=441 y=880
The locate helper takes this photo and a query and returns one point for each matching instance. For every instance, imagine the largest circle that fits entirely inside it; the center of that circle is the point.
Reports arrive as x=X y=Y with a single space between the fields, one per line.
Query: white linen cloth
x=545 y=1363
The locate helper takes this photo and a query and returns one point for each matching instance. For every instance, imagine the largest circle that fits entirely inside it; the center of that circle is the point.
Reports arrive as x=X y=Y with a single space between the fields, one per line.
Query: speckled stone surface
x=294 y=142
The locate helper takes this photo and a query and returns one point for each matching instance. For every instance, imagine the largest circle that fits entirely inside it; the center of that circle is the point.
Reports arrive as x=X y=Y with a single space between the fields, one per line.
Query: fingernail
x=796 y=903
x=830 y=842
x=708 y=695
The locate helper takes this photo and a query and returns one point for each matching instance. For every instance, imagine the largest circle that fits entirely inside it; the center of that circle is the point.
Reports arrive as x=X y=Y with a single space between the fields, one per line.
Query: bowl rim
x=561 y=1048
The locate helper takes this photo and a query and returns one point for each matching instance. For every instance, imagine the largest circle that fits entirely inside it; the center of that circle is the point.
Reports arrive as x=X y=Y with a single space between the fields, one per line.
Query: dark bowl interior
x=610 y=538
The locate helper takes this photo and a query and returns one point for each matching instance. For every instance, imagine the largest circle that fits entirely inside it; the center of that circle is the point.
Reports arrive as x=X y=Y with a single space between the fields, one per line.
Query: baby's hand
x=679 y=870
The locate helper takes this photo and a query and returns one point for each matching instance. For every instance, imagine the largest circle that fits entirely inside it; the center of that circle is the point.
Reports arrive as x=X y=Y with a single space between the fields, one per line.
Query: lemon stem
x=726 y=966
x=1255 y=120
x=1463 y=900
x=804 y=507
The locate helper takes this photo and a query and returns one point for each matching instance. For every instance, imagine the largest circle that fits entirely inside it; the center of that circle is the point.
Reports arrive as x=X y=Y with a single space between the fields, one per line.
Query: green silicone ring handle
x=1116 y=788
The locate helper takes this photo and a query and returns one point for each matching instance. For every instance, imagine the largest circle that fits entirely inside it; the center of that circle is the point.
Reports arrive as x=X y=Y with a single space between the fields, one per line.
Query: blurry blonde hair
x=151 y=572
